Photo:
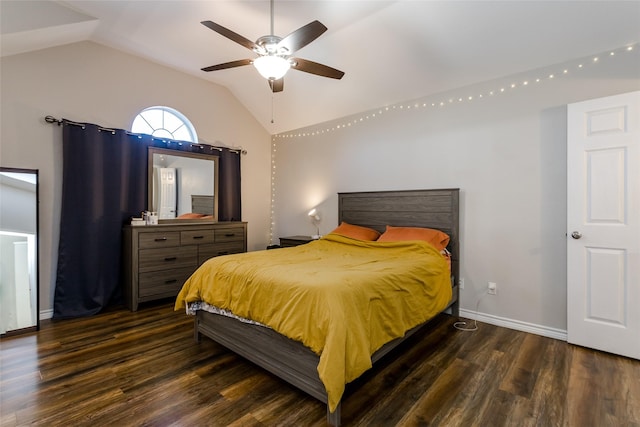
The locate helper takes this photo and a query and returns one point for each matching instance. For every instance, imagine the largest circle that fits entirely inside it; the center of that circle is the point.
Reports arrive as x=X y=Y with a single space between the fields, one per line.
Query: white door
x=24 y=317
x=168 y=193
x=603 y=220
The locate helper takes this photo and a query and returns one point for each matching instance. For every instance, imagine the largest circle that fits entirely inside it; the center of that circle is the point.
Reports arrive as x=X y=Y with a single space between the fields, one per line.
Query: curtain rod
x=52 y=120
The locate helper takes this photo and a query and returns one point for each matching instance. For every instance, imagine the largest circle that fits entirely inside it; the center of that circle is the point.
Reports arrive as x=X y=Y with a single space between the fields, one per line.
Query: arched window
x=164 y=122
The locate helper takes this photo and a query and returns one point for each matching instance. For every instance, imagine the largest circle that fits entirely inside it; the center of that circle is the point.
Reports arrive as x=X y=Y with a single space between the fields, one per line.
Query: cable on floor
x=462 y=325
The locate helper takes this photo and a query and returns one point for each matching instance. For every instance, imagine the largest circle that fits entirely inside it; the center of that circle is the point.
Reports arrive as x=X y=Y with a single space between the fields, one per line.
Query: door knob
x=576 y=235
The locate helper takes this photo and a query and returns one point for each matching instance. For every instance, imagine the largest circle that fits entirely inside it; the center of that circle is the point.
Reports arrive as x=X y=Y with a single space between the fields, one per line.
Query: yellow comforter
x=342 y=298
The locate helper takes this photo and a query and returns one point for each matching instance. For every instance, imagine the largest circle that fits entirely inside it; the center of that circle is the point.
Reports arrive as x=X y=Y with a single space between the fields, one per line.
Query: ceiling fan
x=274 y=53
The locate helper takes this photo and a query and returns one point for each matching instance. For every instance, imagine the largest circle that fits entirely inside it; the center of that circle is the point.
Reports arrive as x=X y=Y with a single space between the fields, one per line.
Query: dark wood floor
x=131 y=369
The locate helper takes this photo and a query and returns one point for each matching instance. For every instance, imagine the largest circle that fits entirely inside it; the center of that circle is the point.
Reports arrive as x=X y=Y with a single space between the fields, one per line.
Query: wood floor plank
x=543 y=404
x=269 y=413
x=382 y=381
x=144 y=368
x=583 y=390
x=630 y=389
x=441 y=394
x=471 y=404
x=399 y=399
x=521 y=378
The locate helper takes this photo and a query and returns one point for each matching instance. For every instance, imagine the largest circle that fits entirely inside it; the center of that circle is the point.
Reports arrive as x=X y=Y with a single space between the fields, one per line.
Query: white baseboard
x=46 y=314
x=518 y=325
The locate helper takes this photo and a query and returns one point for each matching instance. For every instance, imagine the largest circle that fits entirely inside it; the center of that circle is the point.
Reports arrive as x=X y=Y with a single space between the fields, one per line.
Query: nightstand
x=287 y=242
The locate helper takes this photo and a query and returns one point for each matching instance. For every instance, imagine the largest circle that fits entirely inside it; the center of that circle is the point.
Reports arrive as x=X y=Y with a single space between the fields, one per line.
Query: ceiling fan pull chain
x=272 y=32
x=272 y=103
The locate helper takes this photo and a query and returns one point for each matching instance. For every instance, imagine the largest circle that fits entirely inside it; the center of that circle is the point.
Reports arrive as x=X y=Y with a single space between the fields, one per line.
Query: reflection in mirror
x=182 y=185
x=19 y=249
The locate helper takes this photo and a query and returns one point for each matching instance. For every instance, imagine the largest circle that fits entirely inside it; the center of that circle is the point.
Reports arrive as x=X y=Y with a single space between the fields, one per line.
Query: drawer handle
x=198 y=237
x=223 y=253
x=171 y=258
x=229 y=234
x=170 y=281
x=160 y=239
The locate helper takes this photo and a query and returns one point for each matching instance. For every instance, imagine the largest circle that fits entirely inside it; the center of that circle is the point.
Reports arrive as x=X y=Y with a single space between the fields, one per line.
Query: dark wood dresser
x=158 y=259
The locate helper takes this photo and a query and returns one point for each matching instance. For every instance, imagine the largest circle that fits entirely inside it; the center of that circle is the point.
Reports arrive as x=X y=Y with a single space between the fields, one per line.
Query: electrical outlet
x=461 y=283
x=492 y=288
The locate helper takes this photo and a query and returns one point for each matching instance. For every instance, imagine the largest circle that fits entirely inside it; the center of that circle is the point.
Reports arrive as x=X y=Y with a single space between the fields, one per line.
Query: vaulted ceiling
x=390 y=51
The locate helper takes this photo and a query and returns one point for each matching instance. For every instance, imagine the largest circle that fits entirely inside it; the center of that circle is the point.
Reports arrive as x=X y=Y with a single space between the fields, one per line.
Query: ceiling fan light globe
x=272 y=67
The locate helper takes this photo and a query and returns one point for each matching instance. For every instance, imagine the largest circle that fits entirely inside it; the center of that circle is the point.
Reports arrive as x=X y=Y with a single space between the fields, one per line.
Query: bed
x=298 y=364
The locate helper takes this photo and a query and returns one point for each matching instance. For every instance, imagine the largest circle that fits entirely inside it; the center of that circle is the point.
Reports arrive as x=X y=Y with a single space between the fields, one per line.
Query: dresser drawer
x=230 y=234
x=158 y=239
x=217 y=249
x=197 y=237
x=162 y=283
x=167 y=258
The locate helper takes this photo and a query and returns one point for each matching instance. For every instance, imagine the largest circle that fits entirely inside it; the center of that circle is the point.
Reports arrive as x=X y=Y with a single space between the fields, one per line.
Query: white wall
x=88 y=82
x=507 y=154
x=17 y=206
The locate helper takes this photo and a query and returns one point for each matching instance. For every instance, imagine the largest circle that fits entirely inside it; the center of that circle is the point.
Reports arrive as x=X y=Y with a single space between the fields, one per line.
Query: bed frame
x=292 y=361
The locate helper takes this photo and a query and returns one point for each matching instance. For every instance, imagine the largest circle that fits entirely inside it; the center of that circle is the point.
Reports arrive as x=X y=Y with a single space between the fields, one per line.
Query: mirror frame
x=178 y=153
x=35 y=327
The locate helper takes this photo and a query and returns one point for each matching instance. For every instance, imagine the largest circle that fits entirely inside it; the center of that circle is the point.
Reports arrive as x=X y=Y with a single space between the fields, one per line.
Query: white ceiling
x=390 y=51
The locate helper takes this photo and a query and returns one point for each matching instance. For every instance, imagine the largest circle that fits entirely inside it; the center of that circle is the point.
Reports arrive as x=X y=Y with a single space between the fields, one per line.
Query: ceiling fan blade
x=302 y=36
x=230 y=34
x=276 y=85
x=315 y=68
x=232 y=64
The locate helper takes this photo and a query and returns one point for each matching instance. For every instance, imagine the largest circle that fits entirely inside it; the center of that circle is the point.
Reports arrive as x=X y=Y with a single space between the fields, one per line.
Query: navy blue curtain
x=229 y=205
x=104 y=184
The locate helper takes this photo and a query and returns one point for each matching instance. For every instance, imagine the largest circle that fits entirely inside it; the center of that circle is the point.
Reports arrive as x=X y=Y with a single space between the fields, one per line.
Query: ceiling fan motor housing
x=268 y=45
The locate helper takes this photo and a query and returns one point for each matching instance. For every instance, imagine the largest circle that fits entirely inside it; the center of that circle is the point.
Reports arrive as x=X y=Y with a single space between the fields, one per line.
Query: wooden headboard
x=202 y=204
x=407 y=208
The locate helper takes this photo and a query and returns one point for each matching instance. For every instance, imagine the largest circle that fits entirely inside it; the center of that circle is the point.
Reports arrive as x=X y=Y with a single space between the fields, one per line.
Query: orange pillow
x=437 y=238
x=191 y=216
x=356 y=232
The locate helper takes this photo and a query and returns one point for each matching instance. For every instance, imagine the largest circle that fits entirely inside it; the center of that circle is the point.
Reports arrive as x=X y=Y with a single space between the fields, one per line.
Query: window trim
x=191 y=130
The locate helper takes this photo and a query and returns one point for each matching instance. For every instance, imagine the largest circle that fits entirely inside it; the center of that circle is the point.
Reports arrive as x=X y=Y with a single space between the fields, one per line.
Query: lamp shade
x=272 y=67
x=315 y=219
x=313 y=214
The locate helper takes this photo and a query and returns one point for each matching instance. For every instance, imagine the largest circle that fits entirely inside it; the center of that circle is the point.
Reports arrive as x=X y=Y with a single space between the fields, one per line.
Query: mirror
x=182 y=185
x=19 y=309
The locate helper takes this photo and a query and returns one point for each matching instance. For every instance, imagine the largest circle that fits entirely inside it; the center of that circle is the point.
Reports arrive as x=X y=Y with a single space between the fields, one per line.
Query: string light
x=442 y=103
x=414 y=105
x=273 y=188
